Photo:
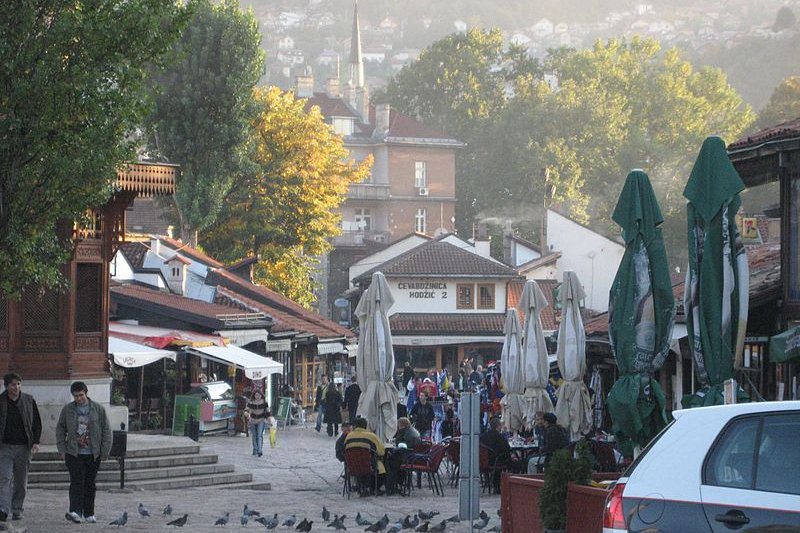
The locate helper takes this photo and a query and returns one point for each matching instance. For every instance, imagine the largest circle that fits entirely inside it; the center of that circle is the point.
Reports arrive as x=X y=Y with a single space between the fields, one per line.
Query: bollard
x=119 y=449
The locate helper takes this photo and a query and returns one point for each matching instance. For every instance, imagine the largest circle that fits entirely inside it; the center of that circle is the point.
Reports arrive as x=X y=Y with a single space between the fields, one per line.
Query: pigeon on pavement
x=326 y=515
x=143 y=511
x=244 y=519
x=167 y=510
x=423 y=528
x=455 y=519
x=121 y=521
x=272 y=523
x=482 y=515
x=361 y=522
x=495 y=529
x=438 y=528
x=427 y=516
x=289 y=522
x=415 y=521
x=222 y=520
x=250 y=512
x=480 y=524
x=179 y=522
x=305 y=527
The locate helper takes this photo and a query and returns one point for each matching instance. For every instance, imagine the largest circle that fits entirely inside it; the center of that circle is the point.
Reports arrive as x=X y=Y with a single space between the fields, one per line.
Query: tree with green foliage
x=283 y=207
x=73 y=78
x=602 y=112
x=204 y=105
x=783 y=105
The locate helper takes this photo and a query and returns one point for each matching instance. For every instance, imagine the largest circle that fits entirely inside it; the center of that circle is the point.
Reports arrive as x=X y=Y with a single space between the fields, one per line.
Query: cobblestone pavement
x=304 y=475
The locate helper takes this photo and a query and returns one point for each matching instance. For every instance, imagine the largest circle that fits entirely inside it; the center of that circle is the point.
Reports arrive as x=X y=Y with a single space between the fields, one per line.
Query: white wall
x=592 y=256
x=438 y=295
x=521 y=254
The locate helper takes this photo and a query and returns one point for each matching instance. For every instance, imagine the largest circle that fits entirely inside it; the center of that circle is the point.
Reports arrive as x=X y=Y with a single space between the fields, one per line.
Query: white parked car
x=715 y=469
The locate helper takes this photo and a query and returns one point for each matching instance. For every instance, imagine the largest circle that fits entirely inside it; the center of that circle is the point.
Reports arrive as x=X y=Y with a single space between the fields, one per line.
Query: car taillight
x=614 y=515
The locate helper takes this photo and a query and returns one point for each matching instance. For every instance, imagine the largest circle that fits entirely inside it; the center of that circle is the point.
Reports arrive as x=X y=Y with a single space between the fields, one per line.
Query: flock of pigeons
x=421 y=522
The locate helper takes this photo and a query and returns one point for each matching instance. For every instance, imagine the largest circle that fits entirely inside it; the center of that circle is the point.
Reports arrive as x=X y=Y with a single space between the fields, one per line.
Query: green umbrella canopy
x=641 y=314
x=713 y=181
x=785 y=347
x=716 y=295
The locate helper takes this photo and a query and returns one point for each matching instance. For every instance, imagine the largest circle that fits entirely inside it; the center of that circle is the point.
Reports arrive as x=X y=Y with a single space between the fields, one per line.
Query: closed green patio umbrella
x=641 y=315
x=717 y=281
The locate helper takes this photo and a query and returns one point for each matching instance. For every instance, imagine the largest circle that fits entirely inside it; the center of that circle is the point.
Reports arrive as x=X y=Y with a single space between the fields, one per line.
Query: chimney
x=482 y=241
x=382 y=115
x=508 y=233
x=332 y=87
x=155 y=246
x=362 y=104
x=304 y=86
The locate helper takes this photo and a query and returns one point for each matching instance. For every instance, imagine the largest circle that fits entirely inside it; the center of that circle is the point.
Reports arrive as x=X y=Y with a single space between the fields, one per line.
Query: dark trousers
x=82 y=473
x=333 y=429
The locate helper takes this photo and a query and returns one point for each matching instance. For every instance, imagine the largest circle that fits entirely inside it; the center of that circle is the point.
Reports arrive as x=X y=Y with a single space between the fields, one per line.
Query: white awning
x=283 y=345
x=329 y=347
x=255 y=366
x=241 y=337
x=131 y=355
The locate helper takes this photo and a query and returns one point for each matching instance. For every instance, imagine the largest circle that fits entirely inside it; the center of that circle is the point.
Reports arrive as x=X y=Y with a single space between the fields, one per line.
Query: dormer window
x=176 y=272
x=343 y=126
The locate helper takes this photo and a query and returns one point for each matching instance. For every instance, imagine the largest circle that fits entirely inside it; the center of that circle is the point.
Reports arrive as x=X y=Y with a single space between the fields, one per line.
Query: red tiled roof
x=189 y=309
x=283 y=322
x=330 y=107
x=276 y=301
x=475 y=324
x=194 y=253
x=548 y=315
x=787 y=130
x=440 y=259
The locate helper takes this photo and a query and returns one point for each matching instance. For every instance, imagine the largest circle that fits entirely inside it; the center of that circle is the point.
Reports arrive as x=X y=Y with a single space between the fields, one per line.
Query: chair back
x=454 y=451
x=483 y=459
x=437 y=453
x=360 y=461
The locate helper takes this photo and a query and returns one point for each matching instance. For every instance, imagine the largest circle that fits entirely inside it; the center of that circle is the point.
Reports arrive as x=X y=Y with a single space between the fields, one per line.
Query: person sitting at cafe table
x=361 y=437
x=347 y=427
x=498 y=447
x=556 y=437
x=405 y=440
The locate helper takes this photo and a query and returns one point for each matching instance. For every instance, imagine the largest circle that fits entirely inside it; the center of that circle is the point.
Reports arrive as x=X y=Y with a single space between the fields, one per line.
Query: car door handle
x=733 y=517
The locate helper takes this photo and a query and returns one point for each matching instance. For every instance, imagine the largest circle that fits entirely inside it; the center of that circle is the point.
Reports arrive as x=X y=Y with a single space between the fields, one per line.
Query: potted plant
x=562 y=470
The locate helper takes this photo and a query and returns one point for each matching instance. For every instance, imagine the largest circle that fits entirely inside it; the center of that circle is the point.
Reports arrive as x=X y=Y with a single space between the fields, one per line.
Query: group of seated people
x=388 y=463
x=547 y=433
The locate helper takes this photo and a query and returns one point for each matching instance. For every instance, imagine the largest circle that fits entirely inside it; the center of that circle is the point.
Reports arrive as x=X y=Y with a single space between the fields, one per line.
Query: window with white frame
x=420 y=174
x=363 y=220
x=420 y=220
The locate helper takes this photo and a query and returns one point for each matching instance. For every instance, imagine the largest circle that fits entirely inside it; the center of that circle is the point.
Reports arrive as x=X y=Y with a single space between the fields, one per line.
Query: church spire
x=356 y=60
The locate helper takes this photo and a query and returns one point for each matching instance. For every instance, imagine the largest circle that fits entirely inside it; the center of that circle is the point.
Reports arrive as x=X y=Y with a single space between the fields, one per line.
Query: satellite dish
x=341 y=302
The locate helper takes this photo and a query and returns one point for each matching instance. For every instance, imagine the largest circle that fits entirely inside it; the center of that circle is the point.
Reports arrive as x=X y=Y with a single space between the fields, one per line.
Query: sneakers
x=72 y=516
x=91 y=519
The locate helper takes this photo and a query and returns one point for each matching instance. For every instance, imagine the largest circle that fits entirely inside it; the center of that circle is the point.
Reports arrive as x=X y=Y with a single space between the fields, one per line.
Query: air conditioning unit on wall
x=422 y=191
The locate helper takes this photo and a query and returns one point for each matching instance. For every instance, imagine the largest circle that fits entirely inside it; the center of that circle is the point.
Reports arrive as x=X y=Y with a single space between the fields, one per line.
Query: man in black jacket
x=20 y=430
x=422 y=415
x=351 y=396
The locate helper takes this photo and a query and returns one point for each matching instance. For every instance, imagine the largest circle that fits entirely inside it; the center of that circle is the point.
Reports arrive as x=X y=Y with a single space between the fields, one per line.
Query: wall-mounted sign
x=424 y=290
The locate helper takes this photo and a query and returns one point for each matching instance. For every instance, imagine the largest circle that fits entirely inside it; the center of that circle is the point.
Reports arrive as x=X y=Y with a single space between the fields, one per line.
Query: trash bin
x=191 y=428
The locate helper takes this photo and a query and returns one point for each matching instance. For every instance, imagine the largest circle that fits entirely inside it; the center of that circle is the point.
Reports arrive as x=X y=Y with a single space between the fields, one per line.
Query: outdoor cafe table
x=523 y=451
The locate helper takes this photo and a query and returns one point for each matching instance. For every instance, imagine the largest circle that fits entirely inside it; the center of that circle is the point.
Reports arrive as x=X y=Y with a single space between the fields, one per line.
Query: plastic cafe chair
x=362 y=464
x=426 y=463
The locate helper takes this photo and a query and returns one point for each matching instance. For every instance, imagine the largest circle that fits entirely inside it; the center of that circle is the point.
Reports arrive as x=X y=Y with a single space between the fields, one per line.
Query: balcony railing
x=358 y=238
x=368 y=191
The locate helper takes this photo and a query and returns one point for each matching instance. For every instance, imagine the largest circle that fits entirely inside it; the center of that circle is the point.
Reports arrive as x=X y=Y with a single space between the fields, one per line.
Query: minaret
x=356 y=61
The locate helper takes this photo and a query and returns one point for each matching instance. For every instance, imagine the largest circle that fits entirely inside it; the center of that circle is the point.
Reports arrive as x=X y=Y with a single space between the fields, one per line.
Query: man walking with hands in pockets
x=83 y=439
x=20 y=431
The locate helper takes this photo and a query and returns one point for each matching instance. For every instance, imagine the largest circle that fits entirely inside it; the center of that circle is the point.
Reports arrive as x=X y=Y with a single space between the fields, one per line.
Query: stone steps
x=150 y=464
